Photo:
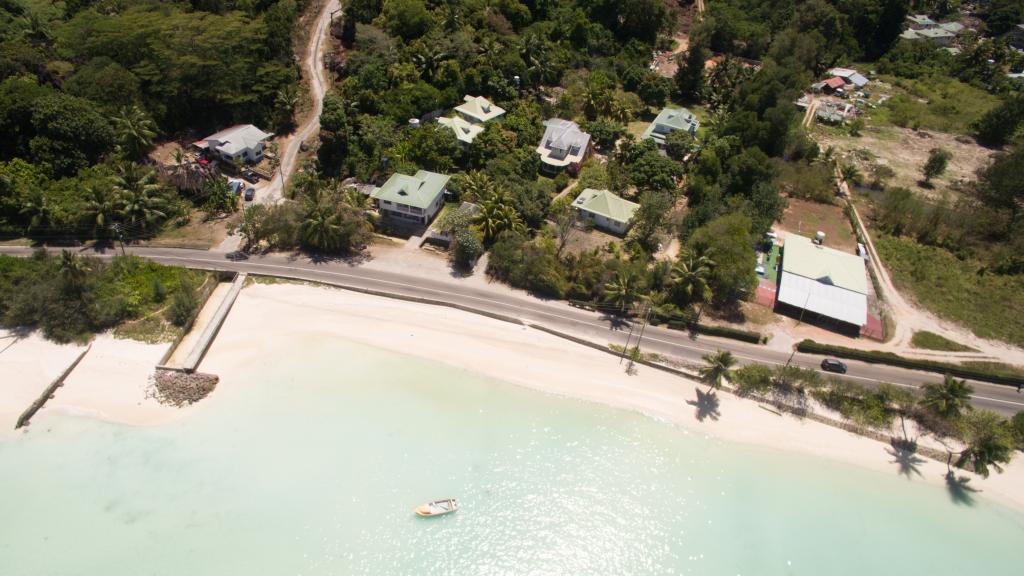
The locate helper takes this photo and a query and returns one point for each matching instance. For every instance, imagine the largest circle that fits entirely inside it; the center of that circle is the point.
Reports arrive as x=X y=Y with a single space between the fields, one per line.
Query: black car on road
x=833 y=365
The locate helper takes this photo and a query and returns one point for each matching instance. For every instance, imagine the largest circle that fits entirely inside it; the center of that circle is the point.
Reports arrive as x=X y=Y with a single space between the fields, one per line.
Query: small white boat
x=438 y=507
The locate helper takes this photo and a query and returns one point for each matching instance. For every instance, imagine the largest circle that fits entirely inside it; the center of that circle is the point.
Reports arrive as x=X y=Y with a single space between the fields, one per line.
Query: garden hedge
x=890 y=359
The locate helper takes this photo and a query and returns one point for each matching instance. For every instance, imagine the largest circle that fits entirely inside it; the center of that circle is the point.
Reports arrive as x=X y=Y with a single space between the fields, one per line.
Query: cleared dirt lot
x=905 y=151
x=806 y=218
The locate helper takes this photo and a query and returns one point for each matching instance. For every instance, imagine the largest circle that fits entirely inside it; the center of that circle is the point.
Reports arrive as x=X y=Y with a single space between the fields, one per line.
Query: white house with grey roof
x=411 y=200
x=828 y=283
x=243 y=142
x=606 y=210
x=564 y=145
x=470 y=117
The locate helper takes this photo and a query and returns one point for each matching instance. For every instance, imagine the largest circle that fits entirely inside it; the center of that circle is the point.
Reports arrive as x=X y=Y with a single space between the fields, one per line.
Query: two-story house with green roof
x=606 y=210
x=411 y=200
x=668 y=121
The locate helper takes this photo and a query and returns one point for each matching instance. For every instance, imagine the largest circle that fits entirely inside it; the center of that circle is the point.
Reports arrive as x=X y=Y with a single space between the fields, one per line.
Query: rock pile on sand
x=180 y=389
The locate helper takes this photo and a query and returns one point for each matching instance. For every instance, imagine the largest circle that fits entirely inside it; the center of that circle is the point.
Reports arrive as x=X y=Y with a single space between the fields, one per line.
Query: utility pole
x=647 y=317
x=626 y=347
x=120 y=235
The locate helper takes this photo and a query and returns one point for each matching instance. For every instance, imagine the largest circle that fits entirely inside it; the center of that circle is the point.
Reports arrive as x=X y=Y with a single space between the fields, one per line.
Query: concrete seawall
x=27 y=415
x=189 y=359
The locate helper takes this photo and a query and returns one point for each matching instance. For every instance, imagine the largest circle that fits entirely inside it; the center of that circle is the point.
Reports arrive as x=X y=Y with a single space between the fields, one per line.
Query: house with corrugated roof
x=470 y=116
x=829 y=284
x=668 y=121
x=411 y=200
x=606 y=210
x=564 y=146
x=850 y=77
x=920 y=21
x=243 y=142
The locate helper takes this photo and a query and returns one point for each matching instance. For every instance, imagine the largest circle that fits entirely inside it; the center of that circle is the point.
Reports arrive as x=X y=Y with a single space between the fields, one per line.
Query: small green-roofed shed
x=419 y=191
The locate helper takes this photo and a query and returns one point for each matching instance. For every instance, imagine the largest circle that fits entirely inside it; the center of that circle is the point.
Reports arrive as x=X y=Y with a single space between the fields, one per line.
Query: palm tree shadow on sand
x=707 y=404
x=906 y=459
x=959 y=490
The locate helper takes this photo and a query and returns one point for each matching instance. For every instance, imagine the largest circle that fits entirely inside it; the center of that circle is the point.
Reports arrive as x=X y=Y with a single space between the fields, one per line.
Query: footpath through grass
x=991 y=305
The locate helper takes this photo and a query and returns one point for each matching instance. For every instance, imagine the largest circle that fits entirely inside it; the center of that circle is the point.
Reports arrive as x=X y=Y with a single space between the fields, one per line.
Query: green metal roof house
x=470 y=116
x=669 y=120
x=411 y=199
x=606 y=210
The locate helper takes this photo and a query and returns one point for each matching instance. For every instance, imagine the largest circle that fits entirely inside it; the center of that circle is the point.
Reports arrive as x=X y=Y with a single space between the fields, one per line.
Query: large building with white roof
x=827 y=283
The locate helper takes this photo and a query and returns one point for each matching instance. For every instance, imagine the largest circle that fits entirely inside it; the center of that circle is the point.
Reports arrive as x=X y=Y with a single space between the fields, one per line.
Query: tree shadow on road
x=707 y=404
x=905 y=457
x=615 y=322
x=959 y=490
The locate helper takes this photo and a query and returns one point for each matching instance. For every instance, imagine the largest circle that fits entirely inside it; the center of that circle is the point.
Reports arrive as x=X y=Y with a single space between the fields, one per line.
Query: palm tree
x=719 y=366
x=452 y=18
x=284 y=105
x=428 y=60
x=689 y=277
x=186 y=175
x=620 y=110
x=597 y=100
x=356 y=199
x=36 y=207
x=496 y=215
x=139 y=203
x=622 y=290
x=988 y=440
x=135 y=131
x=100 y=208
x=489 y=48
x=477 y=186
x=949 y=399
x=73 y=270
x=321 y=228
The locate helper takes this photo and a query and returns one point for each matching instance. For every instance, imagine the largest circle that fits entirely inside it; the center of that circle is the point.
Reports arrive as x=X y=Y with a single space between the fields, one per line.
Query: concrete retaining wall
x=210 y=332
x=50 y=390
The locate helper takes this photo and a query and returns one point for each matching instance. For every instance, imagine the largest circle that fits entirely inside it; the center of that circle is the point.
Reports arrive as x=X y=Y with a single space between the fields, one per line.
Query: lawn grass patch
x=987 y=304
x=931 y=341
x=934 y=103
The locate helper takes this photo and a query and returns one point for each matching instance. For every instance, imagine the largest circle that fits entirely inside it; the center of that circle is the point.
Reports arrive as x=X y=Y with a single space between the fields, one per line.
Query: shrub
x=183 y=305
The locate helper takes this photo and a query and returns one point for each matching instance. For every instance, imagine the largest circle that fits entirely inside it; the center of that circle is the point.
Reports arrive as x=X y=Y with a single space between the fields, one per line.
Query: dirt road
x=313 y=70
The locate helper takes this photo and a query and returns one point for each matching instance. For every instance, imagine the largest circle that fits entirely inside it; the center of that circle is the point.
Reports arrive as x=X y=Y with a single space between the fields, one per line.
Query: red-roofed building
x=833 y=84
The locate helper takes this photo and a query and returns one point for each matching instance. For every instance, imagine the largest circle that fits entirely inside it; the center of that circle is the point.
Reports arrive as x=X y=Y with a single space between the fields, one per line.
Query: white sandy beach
x=28 y=364
x=268 y=320
x=111 y=382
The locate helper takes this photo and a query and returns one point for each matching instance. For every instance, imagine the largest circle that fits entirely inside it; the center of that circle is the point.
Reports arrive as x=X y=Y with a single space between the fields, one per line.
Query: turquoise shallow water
x=315 y=472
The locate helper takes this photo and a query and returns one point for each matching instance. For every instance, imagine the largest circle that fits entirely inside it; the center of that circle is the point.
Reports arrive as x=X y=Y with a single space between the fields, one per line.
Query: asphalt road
x=593 y=326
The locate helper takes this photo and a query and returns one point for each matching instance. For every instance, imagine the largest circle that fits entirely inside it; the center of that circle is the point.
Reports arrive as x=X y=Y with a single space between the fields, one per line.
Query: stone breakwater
x=174 y=388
